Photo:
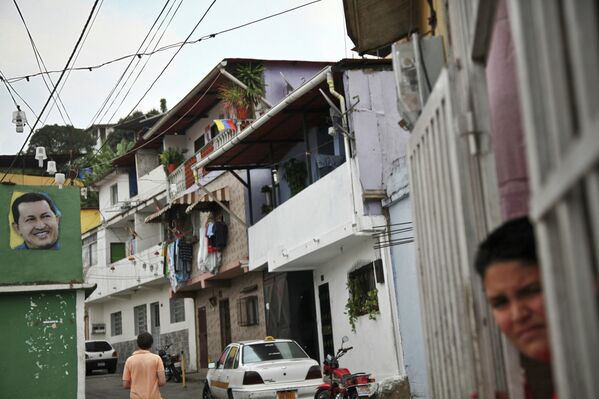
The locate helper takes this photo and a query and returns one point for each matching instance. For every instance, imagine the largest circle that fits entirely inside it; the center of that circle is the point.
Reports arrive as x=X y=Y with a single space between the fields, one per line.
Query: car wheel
x=322 y=394
x=206 y=394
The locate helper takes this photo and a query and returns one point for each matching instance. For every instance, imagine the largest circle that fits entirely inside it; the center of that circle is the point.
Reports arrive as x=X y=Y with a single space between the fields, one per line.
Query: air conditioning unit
x=125 y=205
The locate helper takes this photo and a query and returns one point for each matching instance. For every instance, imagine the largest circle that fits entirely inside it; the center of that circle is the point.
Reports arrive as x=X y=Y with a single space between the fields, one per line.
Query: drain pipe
x=346 y=144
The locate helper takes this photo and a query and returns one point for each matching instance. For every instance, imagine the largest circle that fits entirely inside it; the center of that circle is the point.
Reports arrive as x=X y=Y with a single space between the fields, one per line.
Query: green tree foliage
x=163 y=107
x=59 y=139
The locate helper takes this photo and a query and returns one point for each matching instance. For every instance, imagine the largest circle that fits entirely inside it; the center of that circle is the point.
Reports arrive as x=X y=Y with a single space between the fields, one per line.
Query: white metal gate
x=558 y=58
x=464 y=352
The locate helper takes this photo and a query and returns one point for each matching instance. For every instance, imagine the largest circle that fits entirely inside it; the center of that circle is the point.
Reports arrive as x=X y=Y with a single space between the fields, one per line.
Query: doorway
x=225 y=323
x=155 y=322
x=326 y=324
x=203 y=337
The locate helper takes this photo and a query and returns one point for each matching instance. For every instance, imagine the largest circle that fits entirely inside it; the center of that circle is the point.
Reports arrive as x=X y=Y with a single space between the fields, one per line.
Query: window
x=117 y=251
x=221 y=360
x=360 y=283
x=199 y=143
x=114 y=194
x=247 y=311
x=140 y=319
x=89 y=250
x=272 y=351
x=116 y=324
x=231 y=358
x=177 y=309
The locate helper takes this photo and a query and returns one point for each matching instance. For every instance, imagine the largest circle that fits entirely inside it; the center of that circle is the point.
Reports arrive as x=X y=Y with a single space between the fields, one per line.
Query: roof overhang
x=373 y=25
x=269 y=138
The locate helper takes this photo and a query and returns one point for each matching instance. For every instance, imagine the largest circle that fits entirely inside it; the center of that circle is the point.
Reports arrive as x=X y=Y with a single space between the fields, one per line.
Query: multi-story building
x=124 y=258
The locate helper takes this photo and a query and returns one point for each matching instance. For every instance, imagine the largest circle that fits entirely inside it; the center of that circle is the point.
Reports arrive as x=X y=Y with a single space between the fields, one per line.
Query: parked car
x=268 y=368
x=100 y=355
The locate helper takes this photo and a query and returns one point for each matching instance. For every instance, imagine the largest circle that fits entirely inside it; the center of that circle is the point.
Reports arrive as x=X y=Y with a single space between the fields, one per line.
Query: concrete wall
x=100 y=313
x=146 y=160
x=238 y=333
x=405 y=276
x=374 y=342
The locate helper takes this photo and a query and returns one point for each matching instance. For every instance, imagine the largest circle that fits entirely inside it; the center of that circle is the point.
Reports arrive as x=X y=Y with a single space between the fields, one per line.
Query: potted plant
x=234 y=99
x=252 y=76
x=170 y=158
x=295 y=174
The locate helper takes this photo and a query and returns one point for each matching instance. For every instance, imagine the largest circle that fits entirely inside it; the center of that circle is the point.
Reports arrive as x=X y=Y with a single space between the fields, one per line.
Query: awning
x=206 y=202
x=184 y=199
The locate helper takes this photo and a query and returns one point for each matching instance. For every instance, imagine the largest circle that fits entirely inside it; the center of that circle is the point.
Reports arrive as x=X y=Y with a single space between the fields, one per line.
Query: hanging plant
x=295 y=174
x=358 y=305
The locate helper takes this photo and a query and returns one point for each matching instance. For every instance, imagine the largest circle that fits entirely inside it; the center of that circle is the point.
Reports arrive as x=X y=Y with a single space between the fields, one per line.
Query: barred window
x=116 y=324
x=247 y=311
x=361 y=283
x=140 y=319
x=177 y=309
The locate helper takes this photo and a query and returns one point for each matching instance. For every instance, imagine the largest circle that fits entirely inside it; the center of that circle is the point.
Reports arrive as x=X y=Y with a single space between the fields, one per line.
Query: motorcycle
x=171 y=363
x=340 y=383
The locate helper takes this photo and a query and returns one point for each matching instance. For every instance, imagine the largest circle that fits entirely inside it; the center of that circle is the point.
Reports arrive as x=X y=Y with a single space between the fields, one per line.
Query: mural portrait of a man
x=35 y=220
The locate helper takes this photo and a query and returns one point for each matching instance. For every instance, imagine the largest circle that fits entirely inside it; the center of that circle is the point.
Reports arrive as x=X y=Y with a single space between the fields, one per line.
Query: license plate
x=177 y=364
x=363 y=390
x=287 y=395
x=100 y=364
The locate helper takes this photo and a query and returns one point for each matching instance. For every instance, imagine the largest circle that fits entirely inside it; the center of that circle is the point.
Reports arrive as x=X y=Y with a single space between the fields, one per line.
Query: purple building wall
x=506 y=120
x=296 y=73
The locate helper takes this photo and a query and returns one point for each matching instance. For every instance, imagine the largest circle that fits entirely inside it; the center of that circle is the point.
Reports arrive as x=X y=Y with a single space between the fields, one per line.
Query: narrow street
x=101 y=386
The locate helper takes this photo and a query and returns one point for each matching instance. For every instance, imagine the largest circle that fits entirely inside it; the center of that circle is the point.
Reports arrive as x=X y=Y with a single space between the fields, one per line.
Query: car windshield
x=272 y=351
x=98 y=346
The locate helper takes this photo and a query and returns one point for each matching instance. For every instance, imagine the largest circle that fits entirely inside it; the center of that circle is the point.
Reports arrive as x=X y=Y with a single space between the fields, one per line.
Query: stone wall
x=178 y=339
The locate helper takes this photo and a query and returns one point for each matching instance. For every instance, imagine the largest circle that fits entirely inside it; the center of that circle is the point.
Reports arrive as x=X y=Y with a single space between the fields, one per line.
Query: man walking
x=144 y=372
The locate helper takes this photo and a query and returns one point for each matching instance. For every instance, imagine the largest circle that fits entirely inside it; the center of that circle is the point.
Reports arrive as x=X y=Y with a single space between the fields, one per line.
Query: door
x=326 y=324
x=155 y=322
x=203 y=337
x=216 y=379
x=225 y=322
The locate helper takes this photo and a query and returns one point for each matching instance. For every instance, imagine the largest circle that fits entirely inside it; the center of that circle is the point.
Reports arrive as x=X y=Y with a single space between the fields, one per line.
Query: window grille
x=247 y=311
x=360 y=282
x=177 y=310
x=116 y=324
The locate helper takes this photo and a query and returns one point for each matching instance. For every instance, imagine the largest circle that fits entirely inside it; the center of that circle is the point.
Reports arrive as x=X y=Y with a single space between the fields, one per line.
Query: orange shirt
x=141 y=369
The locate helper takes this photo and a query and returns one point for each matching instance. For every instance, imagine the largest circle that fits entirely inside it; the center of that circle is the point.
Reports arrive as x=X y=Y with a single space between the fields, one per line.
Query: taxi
x=263 y=369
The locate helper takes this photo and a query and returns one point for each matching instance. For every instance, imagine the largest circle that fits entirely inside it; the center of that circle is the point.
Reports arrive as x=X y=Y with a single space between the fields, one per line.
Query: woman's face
x=515 y=293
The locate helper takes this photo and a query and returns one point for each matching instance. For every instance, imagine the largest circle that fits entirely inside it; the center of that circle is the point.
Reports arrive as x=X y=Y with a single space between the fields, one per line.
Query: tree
x=59 y=139
x=163 y=107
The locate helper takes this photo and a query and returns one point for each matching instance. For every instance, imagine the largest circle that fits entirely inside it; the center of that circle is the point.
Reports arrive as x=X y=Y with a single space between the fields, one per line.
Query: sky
x=315 y=32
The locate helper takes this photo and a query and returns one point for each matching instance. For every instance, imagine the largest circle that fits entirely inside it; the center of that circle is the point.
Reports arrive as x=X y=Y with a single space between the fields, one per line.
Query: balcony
x=143 y=270
x=310 y=228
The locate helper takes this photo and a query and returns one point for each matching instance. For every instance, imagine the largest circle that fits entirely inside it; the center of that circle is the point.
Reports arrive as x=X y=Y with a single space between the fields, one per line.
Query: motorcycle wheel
x=206 y=394
x=169 y=374
x=177 y=375
x=323 y=394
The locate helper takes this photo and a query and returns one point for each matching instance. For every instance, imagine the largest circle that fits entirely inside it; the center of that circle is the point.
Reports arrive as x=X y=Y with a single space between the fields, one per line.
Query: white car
x=263 y=369
x=99 y=355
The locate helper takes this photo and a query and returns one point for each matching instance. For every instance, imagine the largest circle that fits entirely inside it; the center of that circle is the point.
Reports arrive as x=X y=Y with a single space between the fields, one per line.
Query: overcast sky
x=315 y=32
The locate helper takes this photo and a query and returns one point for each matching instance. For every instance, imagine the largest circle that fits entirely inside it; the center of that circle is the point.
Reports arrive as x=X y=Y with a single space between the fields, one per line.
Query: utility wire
x=11 y=90
x=97 y=114
x=145 y=63
x=172 y=58
x=171 y=46
x=53 y=90
x=42 y=67
x=64 y=82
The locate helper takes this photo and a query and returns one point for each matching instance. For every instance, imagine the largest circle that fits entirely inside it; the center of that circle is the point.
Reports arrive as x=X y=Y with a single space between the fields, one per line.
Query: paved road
x=103 y=386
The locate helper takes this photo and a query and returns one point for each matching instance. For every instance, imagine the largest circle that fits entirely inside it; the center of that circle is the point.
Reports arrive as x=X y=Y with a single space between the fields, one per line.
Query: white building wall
x=107 y=209
x=374 y=341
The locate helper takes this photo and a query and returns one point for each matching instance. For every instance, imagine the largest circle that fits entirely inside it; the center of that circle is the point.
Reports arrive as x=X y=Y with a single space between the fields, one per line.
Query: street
x=101 y=386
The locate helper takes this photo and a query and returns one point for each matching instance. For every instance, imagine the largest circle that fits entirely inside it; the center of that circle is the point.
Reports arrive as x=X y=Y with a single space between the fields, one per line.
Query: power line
x=11 y=90
x=97 y=114
x=77 y=55
x=145 y=63
x=42 y=67
x=171 y=46
x=53 y=90
x=172 y=58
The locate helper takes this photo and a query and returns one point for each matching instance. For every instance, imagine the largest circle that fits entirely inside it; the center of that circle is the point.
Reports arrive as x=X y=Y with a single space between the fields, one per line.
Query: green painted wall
x=39 y=345
x=43 y=266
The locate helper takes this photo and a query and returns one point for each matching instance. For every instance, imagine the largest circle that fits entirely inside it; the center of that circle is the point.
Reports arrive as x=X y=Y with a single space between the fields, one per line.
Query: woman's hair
x=512 y=241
